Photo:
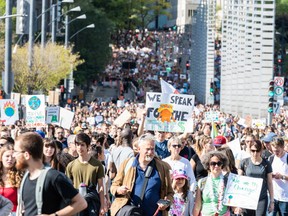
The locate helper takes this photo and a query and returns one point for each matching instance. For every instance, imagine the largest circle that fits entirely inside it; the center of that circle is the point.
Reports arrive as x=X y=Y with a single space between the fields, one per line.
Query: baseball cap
x=228 y=120
x=179 y=174
x=219 y=140
x=268 y=137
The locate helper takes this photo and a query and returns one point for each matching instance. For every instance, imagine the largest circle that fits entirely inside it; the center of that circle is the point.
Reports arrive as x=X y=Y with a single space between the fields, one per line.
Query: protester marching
x=158 y=153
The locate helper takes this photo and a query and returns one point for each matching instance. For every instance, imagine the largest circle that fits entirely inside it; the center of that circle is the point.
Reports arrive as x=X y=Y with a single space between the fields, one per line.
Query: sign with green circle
x=278 y=91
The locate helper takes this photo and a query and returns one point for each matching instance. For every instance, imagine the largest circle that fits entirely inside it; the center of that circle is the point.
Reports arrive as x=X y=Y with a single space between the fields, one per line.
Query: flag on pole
x=214 y=130
x=168 y=88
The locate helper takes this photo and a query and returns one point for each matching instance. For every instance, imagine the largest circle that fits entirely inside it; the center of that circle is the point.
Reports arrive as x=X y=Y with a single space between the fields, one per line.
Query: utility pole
x=43 y=24
x=7 y=84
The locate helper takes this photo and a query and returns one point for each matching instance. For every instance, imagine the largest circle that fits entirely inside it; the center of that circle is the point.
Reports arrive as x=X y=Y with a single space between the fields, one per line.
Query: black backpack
x=93 y=201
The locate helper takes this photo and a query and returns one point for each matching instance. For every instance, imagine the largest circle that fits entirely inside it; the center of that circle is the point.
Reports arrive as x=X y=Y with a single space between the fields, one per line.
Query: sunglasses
x=177 y=146
x=219 y=163
x=253 y=151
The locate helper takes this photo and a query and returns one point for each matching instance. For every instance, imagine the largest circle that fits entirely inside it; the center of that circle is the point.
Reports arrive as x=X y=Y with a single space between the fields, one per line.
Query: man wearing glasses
x=127 y=185
x=28 y=152
x=59 y=135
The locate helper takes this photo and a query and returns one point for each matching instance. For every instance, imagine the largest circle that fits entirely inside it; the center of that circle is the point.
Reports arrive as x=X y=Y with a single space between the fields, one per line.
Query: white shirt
x=185 y=165
x=280 y=186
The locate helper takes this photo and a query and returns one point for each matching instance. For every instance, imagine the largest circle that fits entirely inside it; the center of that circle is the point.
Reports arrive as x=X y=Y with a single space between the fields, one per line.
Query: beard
x=21 y=164
x=148 y=158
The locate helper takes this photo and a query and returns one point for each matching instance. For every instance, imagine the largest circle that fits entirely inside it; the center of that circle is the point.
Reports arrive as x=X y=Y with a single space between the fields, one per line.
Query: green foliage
x=50 y=65
x=92 y=44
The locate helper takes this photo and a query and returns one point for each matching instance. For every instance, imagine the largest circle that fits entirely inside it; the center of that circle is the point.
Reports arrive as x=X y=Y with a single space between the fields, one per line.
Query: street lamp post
x=43 y=21
x=70 y=76
x=43 y=25
x=7 y=84
x=31 y=33
x=89 y=26
x=67 y=22
x=8 y=76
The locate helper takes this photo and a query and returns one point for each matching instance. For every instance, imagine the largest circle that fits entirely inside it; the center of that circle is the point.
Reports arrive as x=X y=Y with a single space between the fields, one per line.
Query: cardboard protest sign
x=35 y=110
x=53 y=98
x=242 y=191
x=66 y=118
x=168 y=112
x=123 y=119
x=16 y=96
x=248 y=120
x=52 y=115
x=9 y=111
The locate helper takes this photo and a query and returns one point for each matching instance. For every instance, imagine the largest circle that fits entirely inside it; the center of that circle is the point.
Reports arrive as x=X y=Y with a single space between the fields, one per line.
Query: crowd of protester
x=102 y=168
x=190 y=170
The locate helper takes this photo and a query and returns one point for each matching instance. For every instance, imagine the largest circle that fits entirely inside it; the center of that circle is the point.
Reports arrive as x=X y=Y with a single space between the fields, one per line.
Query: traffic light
x=211 y=88
x=279 y=59
x=22 y=22
x=271 y=96
x=187 y=65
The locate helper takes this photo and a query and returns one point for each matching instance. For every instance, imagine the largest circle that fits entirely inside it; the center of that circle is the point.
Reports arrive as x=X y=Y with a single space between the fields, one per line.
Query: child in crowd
x=183 y=202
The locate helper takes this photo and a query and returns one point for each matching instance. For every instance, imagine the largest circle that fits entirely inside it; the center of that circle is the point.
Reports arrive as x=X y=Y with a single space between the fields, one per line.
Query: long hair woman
x=203 y=145
x=10 y=177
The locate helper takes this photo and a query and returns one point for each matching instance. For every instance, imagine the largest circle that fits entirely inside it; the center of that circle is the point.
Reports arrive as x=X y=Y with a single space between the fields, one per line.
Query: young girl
x=183 y=202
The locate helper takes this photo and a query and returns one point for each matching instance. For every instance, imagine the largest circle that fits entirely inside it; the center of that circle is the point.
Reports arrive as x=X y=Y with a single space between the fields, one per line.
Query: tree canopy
x=50 y=65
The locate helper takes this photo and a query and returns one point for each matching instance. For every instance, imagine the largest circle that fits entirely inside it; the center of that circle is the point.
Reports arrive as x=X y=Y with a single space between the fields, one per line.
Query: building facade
x=247 y=56
x=202 y=56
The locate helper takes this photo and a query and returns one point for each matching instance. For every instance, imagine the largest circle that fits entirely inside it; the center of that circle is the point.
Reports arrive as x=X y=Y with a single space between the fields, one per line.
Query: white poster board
x=66 y=118
x=52 y=115
x=91 y=121
x=235 y=146
x=169 y=112
x=9 y=111
x=123 y=118
x=242 y=191
x=35 y=110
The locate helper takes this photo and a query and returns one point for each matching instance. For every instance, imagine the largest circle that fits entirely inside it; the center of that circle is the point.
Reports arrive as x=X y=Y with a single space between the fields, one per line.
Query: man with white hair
x=71 y=145
x=128 y=183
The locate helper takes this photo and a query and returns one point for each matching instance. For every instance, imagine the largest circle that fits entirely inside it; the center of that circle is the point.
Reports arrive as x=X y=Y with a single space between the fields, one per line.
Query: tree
x=50 y=65
x=92 y=44
x=281 y=26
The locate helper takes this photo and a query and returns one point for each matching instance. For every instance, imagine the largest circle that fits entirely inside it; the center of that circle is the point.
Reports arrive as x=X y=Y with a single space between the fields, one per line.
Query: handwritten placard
x=123 y=119
x=35 y=110
x=169 y=112
x=242 y=191
x=52 y=115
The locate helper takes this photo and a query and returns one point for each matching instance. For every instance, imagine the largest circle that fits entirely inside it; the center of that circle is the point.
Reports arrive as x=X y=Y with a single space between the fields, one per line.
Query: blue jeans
x=281 y=207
